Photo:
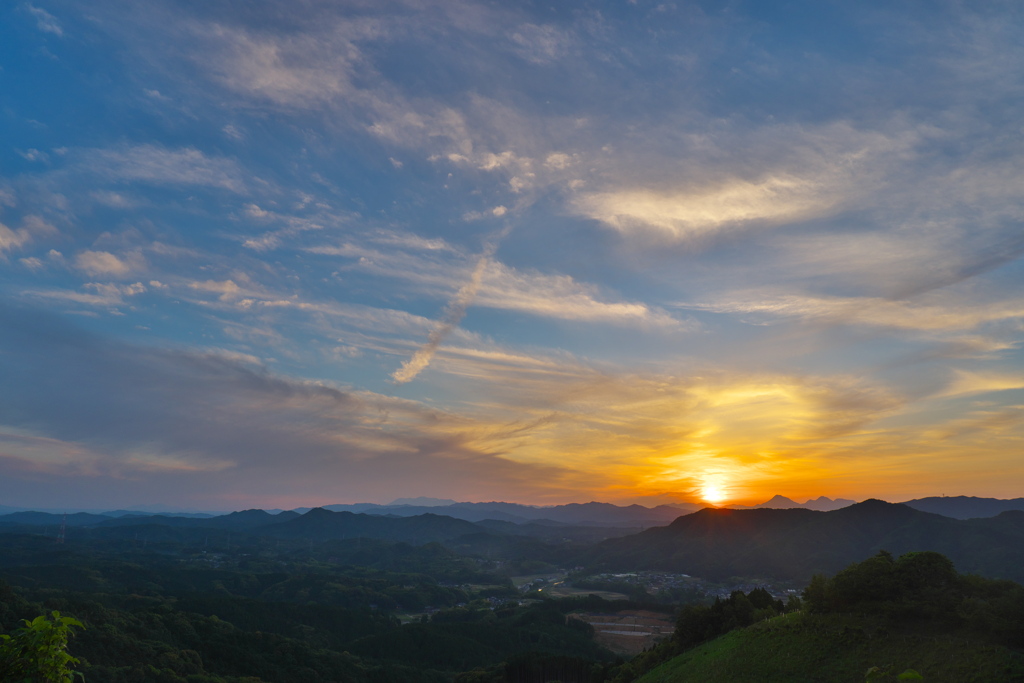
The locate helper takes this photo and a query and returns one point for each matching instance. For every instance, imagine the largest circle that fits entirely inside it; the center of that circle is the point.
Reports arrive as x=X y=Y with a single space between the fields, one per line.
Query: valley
x=427 y=597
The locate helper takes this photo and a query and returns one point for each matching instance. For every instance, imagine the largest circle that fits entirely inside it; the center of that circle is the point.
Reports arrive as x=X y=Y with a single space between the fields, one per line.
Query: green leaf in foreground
x=37 y=653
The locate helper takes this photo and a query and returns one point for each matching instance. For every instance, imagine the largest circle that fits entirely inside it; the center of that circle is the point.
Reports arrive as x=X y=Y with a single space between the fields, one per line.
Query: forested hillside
x=257 y=598
x=355 y=611
x=797 y=543
x=883 y=619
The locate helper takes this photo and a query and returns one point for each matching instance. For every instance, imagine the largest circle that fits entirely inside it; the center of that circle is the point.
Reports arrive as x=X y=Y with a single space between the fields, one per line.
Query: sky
x=280 y=254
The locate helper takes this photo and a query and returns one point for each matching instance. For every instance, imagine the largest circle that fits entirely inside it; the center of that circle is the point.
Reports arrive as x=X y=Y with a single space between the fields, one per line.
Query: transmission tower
x=63 y=528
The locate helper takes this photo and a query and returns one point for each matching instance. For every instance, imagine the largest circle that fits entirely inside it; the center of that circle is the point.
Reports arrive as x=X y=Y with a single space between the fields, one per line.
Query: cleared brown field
x=563 y=590
x=628 y=632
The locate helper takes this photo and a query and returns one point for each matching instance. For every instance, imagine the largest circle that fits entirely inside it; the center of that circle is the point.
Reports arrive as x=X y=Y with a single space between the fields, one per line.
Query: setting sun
x=713 y=495
x=713 y=491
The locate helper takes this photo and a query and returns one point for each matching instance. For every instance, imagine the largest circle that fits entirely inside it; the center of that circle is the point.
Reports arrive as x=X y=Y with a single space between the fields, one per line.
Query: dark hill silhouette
x=778 y=501
x=245 y=520
x=821 y=503
x=47 y=519
x=143 y=513
x=965 y=507
x=825 y=504
x=321 y=524
x=249 y=519
x=577 y=514
x=797 y=543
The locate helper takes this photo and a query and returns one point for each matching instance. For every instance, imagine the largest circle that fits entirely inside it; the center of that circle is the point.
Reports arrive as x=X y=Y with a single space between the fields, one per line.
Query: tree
x=817 y=594
x=38 y=652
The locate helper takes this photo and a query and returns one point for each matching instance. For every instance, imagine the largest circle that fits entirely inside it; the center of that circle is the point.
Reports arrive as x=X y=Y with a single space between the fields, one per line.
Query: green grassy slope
x=840 y=648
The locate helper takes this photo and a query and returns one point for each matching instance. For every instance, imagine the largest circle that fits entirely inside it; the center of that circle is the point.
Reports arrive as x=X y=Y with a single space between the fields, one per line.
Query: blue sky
x=280 y=254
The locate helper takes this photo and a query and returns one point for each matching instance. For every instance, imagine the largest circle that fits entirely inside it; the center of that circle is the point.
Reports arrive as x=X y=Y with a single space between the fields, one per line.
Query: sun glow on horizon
x=713 y=490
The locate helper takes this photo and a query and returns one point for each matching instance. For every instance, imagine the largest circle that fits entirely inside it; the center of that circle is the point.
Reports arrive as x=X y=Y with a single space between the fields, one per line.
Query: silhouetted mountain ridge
x=965 y=507
x=49 y=518
x=796 y=543
x=579 y=514
x=320 y=524
x=779 y=502
x=244 y=520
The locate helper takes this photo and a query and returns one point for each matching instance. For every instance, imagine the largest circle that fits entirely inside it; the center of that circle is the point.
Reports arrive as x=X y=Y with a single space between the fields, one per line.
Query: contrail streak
x=453 y=314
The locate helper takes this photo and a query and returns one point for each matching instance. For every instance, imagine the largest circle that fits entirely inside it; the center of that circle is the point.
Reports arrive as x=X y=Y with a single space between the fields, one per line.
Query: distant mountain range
x=822 y=504
x=143 y=510
x=247 y=519
x=413 y=525
x=965 y=507
x=423 y=501
x=778 y=539
x=796 y=543
x=322 y=524
x=575 y=514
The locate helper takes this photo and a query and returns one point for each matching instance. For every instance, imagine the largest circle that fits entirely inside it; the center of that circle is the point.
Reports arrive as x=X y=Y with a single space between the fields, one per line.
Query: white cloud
x=45 y=21
x=98 y=263
x=717 y=177
x=453 y=314
x=692 y=213
x=38 y=226
x=227 y=290
x=408 y=240
x=293 y=225
x=966 y=383
x=420 y=125
x=917 y=315
x=540 y=44
x=34 y=155
x=114 y=200
x=559 y=161
x=496 y=212
x=160 y=165
x=12 y=239
x=32 y=227
x=297 y=70
x=561 y=297
x=506 y=288
x=97 y=294
x=254 y=211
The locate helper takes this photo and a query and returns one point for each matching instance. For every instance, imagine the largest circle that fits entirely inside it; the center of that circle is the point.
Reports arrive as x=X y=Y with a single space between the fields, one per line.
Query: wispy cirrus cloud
x=159 y=165
x=541 y=44
x=103 y=263
x=503 y=287
x=45 y=22
x=210 y=415
x=764 y=176
x=834 y=204
x=453 y=314
x=95 y=294
x=968 y=382
x=926 y=316
x=561 y=297
x=688 y=214
x=647 y=430
x=13 y=239
x=295 y=70
x=984 y=423
x=32 y=228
